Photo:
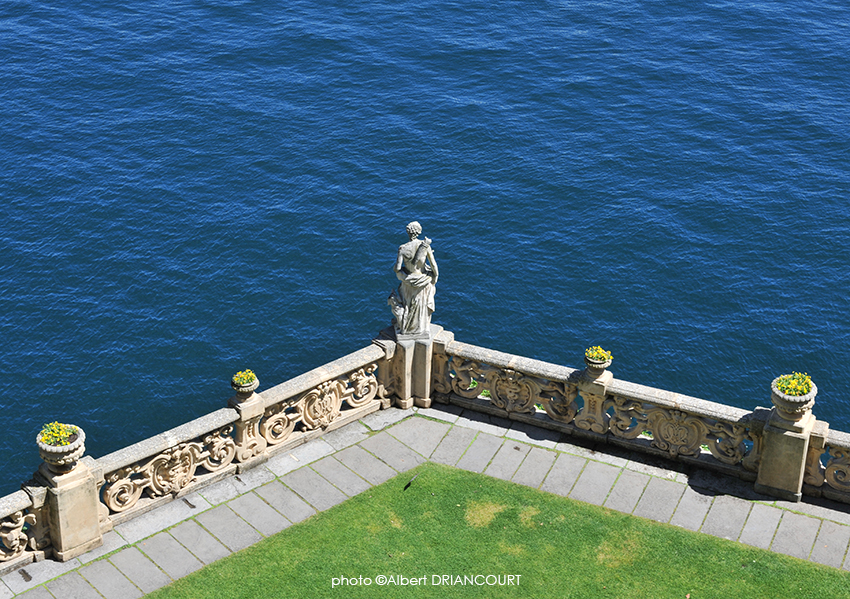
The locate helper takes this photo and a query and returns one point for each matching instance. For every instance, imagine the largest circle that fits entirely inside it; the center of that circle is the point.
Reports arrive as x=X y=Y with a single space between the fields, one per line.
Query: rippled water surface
x=189 y=189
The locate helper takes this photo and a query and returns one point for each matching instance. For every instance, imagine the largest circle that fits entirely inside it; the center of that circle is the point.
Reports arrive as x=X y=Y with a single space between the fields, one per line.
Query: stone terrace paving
x=154 y=549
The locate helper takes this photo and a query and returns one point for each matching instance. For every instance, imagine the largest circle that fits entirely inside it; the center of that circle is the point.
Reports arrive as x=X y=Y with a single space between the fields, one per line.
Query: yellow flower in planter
x=797 y=383
x=597 y=353
x=57 y=434
x=244 y=377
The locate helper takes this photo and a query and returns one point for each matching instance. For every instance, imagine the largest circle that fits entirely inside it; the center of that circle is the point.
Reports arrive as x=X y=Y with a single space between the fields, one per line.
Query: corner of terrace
x=274 y=457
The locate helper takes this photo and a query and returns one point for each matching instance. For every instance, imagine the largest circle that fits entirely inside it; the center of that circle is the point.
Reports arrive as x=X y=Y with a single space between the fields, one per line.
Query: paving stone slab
x=480 y=453
x=586 y=452
x=365 y=464
x=112 y=541
x=258 y=514
x=563 y=474
x=595 y=482
x=72 y=586
x=485 y=423
x=819 y=507
x=421 y=435
x=236 y=485
x=38 y=573
x=533 y=435
x=229 y=528
x=392 y=452
x=535 y=467
x=652 y=469
x=795 y=535
x=660 y=499
x=199 y=542
x=348 y=435
x=761 y=526
x=314 y=489
x=140 y=570
x=627 y=491
x=453 y=445
x=174 y=559
x=726 y=517
x=300 y=456
x=507 y=460
x=340 y=476
x=37 y=593
x=723 y=484
x=109 y=581
x=163 y=517
x=831 y=544
x=692 y=508
x=446 y=412
x=5 y=592
x=285 y=501
x=378 y=421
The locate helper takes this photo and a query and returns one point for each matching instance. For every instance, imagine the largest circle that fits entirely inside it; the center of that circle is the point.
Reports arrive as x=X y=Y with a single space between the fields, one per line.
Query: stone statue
x=413 y=303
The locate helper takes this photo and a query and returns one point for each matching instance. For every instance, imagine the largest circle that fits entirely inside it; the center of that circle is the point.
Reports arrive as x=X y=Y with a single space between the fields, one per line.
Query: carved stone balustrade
x=22 y=535
x=785 y=450
x=600 y=407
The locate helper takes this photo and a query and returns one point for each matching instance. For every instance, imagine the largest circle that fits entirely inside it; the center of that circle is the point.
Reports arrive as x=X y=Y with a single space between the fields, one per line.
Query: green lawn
x=455 y=523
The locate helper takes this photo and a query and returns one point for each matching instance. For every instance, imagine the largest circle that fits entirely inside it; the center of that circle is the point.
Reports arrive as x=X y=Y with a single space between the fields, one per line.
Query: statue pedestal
x=413 y=359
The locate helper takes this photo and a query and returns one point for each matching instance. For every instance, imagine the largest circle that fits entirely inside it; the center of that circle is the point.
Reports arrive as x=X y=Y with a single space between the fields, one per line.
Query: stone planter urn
x=792 y=407
x=596 y=368
x=61 y=459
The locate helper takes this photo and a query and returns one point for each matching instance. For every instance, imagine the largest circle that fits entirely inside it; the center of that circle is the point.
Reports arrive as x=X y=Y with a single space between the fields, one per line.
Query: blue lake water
x=190 y=189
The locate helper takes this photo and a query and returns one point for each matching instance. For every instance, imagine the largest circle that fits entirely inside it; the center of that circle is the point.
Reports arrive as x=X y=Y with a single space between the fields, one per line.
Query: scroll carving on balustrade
x=507 y=389
x=681 y=434
x=170 y=471
x=837 y=472
x=16 y=535
x=441 y=383
x=320 y=406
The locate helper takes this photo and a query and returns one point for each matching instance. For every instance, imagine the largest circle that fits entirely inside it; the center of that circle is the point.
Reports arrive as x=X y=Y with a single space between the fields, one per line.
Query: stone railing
x=66 y=509
x=598 y=407
x=828 y=465
x=22 y=538
x=253 y=428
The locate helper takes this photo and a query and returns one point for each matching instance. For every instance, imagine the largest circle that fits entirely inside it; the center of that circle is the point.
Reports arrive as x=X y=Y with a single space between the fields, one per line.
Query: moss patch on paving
x=456 y=523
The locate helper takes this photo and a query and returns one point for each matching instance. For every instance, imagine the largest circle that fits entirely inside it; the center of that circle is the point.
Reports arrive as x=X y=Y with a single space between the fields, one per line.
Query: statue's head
x=414 y=229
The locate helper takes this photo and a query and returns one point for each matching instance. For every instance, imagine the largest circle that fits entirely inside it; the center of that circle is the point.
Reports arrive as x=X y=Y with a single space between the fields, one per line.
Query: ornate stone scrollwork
x=169 y=472
x=676 y=432
x=467 y=379
x=593 y=416
x=837 y=472
x=752 y=459
x=512 y=391
x=628 y=419
x=441 y=381
x=727 y=442
x=278 y=423
x=363 y=387
x=558 y=400
x=321 y=405
x=814 y=473
x=14 y=540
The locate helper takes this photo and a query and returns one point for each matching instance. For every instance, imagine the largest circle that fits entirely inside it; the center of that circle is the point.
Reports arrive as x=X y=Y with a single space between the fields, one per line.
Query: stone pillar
x=250 y=443
x=786 y=445
x=593 y=386
x=73 y=508
x=413 y=357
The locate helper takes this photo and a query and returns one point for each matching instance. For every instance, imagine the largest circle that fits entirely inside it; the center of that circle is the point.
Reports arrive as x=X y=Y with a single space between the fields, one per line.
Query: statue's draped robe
x=416 y=289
